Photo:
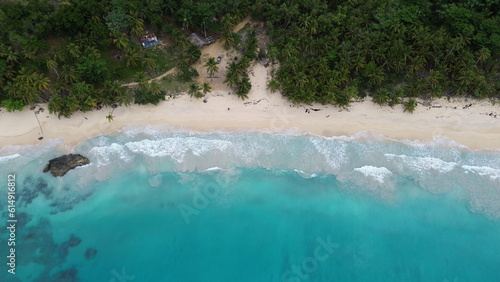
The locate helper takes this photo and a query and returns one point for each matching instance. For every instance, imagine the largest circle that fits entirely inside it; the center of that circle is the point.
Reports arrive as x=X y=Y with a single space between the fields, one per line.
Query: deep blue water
x=163 y=205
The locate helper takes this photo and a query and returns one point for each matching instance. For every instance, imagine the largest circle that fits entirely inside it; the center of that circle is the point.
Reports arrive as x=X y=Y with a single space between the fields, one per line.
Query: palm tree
x=194 y=90
x=137 y=25
x=184 y=15
x=232 y=75
x=301 y=80
x=417 y=64
x=273 y=85
x=140 y=77
x=150 y=63
x=435 y=77
x=132 y=57
x=242 y=66
x=26 y=86
x=193 y=53
x=40 y=82
x=154 y=88
x=232 y=40
x=290 y=50
x=110 y=116
x=382 y=96
x=9 y=54
x=395 y=97
x=74 y=50
x=483 y=55
x=211 y=65
x=52 y=64
x=29 y=54
x=120 y=40
x=376 y=77
x=243 y=88
x=70 y=74
x=206 y=88
x=228 y=21
x=124 y=97
x=56 y=104
x=410 y=105
x=343 y=98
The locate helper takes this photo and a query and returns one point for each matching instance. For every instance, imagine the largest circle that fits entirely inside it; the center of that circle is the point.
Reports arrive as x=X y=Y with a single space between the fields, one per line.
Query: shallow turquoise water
x=161 y=205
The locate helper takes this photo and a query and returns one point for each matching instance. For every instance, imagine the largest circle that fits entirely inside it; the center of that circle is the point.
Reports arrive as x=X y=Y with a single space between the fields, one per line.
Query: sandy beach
x=473 y=123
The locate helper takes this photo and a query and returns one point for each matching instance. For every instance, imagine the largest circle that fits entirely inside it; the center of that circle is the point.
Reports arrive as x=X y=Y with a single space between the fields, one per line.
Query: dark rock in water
x=59 y=166
x=62 y=250
x=70 y=274
x=90 y=253
x=31 y=189
x=74 y=241
x=22 y=219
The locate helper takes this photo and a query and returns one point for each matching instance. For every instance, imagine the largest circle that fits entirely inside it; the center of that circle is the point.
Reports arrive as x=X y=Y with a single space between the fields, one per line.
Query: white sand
x=477 y=126
x=472 y=126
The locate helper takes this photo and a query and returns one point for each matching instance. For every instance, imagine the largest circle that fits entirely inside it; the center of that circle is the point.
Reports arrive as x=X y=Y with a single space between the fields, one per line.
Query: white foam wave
x=483 y=171
x=105 y=155
x=334 y=152
x=176 y=148
x=215 y=168
x=304 y=174
x=6 y=159
x=377 y=173
x=424 y=164
x=437 y=142
x=366 y=160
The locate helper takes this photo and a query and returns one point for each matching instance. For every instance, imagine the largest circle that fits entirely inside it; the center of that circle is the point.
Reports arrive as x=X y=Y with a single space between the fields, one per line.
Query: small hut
x=200 y=41
x=149 y=40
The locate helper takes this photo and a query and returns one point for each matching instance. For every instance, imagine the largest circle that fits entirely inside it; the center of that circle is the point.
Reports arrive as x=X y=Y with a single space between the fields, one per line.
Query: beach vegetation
x=148 y=92
x=195 y=90
x=212 y=66
x=110 y=117
x=68 y=53
x=243 y=87
x=206 y=88
x=428 y=48
x=13 y=105
x=410 y=105
x=273 y=85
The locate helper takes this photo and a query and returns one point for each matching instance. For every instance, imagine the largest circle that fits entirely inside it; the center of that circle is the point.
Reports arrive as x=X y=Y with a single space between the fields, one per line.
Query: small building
x=149 y=40
x=200 y=41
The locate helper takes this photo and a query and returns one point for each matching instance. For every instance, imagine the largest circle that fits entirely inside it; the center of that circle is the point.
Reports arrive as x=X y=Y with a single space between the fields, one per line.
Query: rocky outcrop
x=90 y=253
x=59 y=166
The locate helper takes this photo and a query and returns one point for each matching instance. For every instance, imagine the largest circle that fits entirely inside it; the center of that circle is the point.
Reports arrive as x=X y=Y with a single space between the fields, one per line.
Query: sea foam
x=377 y=173
x=367 y=160
x=483 y=171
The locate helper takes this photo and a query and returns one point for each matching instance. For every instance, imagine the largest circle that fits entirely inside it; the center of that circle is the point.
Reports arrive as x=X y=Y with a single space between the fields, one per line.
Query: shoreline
x=472 y=126
x=473 y=123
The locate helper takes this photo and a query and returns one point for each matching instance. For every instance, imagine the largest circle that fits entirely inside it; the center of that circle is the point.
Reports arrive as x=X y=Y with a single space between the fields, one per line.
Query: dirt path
x=242 y=24
x=173 y=70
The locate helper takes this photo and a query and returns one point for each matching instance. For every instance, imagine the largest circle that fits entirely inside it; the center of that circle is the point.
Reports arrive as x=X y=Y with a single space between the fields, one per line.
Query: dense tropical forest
x=76 y=55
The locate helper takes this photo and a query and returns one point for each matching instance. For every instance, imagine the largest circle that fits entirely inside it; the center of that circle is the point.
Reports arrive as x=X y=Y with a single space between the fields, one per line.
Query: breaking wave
x=366 y=161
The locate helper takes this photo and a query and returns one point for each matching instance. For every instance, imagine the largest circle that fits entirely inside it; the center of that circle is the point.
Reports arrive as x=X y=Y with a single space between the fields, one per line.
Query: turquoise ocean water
x=157 y=204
